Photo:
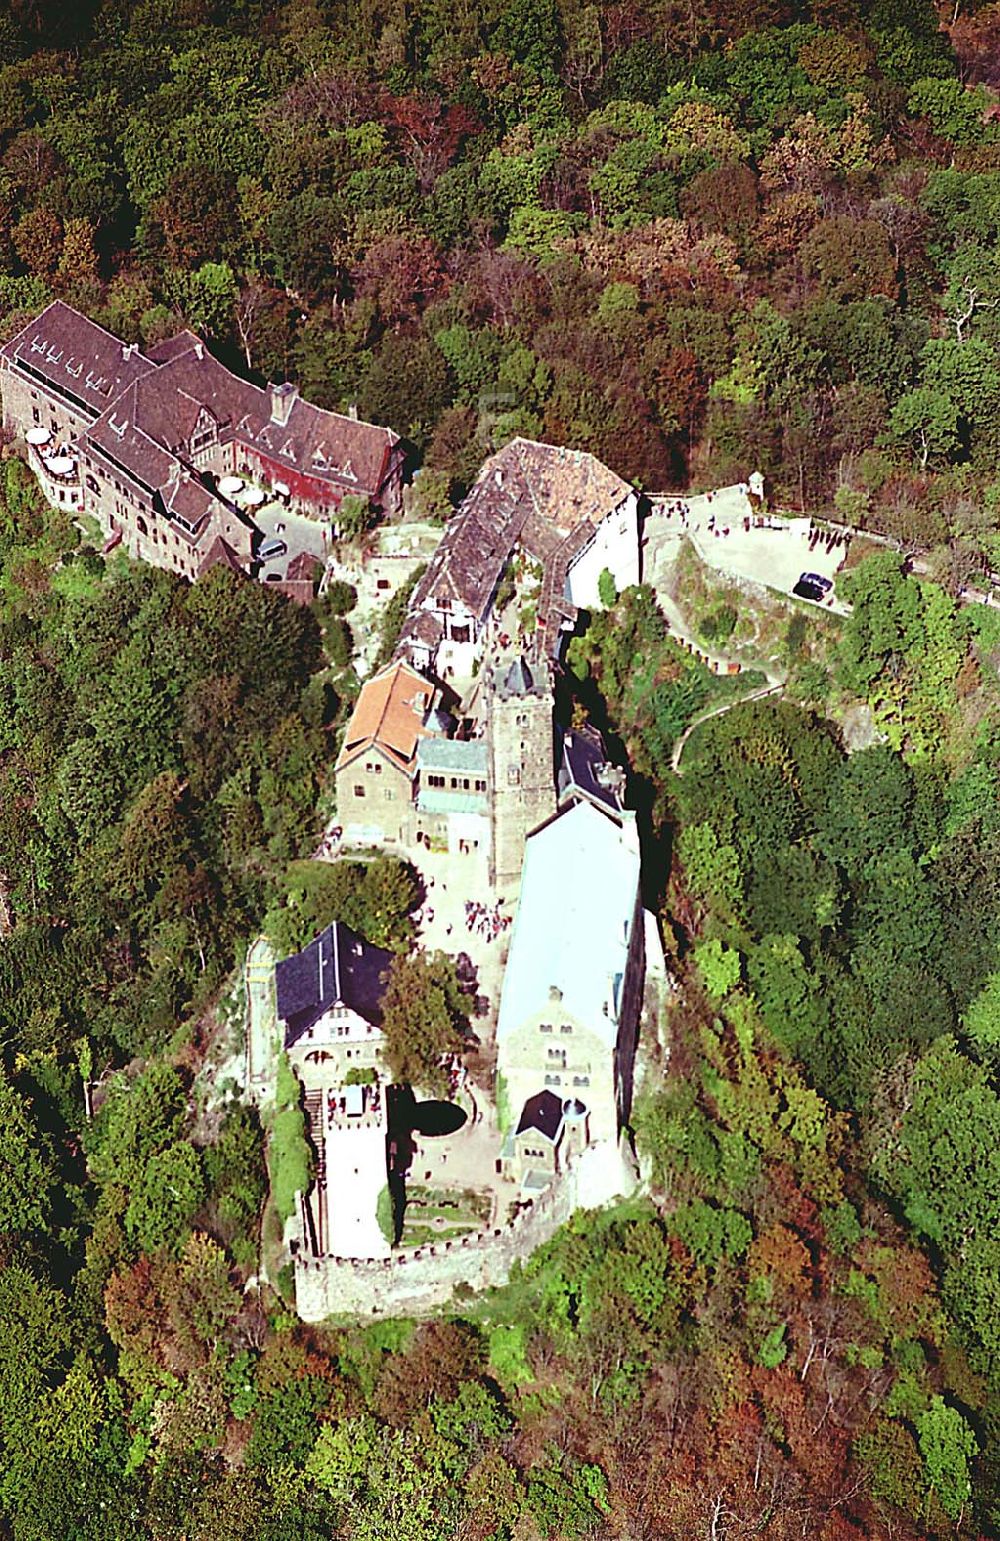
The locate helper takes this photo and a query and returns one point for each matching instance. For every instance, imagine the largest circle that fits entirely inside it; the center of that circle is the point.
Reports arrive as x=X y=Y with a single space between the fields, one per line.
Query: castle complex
x=452 y=751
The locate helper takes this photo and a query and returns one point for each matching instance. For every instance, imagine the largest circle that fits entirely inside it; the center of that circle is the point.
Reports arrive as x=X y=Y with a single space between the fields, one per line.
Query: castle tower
x=522 y=781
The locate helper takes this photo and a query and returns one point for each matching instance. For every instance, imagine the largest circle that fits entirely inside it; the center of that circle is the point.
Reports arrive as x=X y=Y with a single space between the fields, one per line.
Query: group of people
x=830 y=541
x=329 y=844
x=487 y=921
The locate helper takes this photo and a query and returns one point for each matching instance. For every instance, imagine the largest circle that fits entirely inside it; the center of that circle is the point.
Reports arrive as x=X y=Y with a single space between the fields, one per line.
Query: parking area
x=724 y=532
x=298 y=532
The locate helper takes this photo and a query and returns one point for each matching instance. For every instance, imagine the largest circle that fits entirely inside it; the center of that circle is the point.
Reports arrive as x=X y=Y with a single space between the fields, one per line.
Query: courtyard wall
x=422 y=1280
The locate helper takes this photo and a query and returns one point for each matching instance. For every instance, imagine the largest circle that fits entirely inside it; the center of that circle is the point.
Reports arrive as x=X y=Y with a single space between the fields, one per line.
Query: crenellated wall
x=420 y=1281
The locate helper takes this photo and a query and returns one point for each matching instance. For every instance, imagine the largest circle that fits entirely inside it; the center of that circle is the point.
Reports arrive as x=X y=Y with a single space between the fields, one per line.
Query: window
x=435 y=781
x=520 y=720
x=378 y=768
x=566 y=1027
x=553 y=1080
x=581 y=1080
x=36 y=414
x=546 y=1027
x=513 y=775
x=359 y=791
x=558 y=1054
x=480 y=785
x=389 y=795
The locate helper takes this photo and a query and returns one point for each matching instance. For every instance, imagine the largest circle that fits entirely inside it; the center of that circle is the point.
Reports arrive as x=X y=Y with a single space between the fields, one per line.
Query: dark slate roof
x=76 y=357
x=166 y=392
x=542 y=1112
x=582 y=762
x=337 y=968
x=519 y=678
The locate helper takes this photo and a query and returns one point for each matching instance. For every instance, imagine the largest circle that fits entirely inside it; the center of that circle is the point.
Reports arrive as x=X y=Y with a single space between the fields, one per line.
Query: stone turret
x=522 y=781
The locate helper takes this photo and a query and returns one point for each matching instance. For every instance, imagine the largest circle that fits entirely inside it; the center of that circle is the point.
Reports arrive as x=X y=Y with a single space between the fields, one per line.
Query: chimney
x=282 y=400
x=352 y=411
x=630 y=831
x=199 y=351
x=128 y=349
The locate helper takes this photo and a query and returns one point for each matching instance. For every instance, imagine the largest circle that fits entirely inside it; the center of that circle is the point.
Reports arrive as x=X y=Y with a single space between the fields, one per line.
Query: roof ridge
x=118 y=341
x=392 y=668
x=335 y=945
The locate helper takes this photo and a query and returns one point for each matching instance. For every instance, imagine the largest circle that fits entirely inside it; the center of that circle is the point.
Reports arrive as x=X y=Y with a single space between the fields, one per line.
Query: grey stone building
x=519 y=698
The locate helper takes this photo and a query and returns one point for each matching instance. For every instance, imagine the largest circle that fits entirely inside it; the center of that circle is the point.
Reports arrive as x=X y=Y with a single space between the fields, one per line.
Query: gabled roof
x=584 y=771
x=76 y=357
x=389 y=714
x=220 y=554
x=573 y=926
x=172 y=347
x=117 y=433
x=542 y=1114
x=338 y=968
x=179 y=377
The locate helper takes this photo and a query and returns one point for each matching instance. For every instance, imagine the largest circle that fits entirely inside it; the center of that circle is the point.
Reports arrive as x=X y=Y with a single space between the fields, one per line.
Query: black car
x=812 y=586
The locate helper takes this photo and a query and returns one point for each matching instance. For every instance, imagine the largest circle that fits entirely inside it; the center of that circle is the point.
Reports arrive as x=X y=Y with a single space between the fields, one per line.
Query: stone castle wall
x=420 y=1281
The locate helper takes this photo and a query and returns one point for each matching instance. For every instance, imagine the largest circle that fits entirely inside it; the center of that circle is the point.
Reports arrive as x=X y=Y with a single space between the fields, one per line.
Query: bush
x=340 y=597
x=385 y=1213
x=289 y=1160
x=394 y=615
x=719 y=624
x=607 y=590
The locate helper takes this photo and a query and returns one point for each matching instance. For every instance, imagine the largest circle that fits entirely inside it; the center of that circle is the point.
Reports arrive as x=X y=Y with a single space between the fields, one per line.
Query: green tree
x=166 y=1199
x=26 y=1169
x=947 y=1445
x=927 y=420
x=423 y=1019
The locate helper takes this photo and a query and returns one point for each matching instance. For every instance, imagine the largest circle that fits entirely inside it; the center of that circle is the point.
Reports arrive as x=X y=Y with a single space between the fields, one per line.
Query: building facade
x=329 y=1009
x=377 y=769
x=572 y=989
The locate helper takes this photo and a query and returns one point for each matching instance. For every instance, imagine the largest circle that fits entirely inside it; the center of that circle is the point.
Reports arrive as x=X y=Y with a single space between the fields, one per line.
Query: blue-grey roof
x=573 y=924
x=443 y=800
x=518 y=679
x=465 y=756
x=337 y=968
x=582 y=758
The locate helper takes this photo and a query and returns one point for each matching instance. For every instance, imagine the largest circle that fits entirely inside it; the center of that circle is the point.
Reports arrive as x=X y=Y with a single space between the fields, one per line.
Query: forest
x=693 y=239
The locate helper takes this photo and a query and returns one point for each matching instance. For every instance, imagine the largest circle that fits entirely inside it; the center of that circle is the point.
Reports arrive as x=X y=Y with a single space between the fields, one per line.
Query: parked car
x=812 y=586
x=270 y=549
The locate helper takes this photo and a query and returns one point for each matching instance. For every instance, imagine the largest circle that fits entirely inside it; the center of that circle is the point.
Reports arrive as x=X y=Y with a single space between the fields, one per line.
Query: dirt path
x=717 y=711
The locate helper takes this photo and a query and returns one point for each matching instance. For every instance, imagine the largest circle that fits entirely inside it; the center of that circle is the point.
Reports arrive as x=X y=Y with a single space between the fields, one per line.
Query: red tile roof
x=389 y=714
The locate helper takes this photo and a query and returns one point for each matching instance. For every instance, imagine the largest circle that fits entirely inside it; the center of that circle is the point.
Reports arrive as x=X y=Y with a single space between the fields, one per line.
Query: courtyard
x=452 y=1185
